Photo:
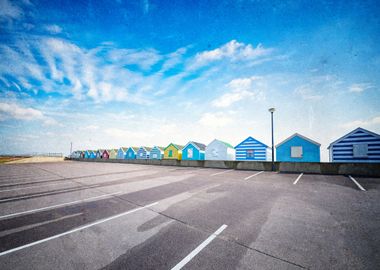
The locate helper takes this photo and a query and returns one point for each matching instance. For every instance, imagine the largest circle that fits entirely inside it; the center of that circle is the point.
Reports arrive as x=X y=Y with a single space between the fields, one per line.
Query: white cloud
x=362 y=123
x=233 y=50
x=239 y=89
x=53 y=29
x=359 y=87
x=17 y=112
x=90 y=127
x=307 y=93
x=215 y=120
x=9 y=11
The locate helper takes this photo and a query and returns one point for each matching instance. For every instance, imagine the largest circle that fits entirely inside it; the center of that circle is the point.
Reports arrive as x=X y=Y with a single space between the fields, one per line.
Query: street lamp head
x=271 y=110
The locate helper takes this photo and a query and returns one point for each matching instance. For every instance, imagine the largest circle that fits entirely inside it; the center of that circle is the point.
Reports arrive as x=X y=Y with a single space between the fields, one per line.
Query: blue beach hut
x=252 y=149
x=131 y=153
x=87 y=154
x=360 y=145
x=121 y=152
x=193 y=151
x=92 y=154
x=157 y=152
x=143 y=152
x=298 y=148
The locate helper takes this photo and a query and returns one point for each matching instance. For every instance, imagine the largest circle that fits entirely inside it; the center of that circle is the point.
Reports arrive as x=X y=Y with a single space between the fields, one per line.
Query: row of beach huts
x=360 y=145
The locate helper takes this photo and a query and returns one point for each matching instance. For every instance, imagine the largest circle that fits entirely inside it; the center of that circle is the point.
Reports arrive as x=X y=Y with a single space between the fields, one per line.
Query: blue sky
x=122 y=73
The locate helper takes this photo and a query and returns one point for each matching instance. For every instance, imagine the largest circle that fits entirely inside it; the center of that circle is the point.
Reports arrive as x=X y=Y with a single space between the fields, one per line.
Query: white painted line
x=298 y=178
x=75 y=230
x=5 y=190
x=50 y=193
x=220 y=172
x=253 y=175
x=27 y=227
x=199 y=248
x=57 y=205
x=356 y=182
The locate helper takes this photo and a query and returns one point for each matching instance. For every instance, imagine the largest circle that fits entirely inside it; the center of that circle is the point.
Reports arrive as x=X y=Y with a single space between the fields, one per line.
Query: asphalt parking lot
x=79 y=215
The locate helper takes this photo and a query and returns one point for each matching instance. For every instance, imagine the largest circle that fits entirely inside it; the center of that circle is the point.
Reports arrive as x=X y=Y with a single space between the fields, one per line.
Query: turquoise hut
x=92 y=154
x=131 y=152
x=194 y=151
x=298 y=148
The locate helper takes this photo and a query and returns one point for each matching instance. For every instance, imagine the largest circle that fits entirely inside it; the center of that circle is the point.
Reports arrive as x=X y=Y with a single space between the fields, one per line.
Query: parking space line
x=31 y=187
x=75 y=230
x=57 y=205
x=356 y=182
x=253 y=175
x=298 y=178
x=49 y=193
x=199 y=248
x=220 y=172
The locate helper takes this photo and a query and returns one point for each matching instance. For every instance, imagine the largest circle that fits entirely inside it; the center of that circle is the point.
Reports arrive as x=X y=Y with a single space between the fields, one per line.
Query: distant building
x=157 y=152
x=193 y=151
x=298 y=148
x=252 y=149
x=360 y=145
x=106 y=154
x=112 y=153
x=173 y=151
x=219 y=150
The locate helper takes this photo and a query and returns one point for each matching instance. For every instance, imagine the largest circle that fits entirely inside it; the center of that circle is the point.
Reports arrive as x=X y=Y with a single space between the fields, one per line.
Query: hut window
x=249 y=153
x=360 y=150
x=170 y=153
x=141 y=154
x=190 y=153
x=296 y=152
x=154 y=155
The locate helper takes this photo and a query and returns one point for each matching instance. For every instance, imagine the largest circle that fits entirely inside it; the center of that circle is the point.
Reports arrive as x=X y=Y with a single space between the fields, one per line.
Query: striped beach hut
x=298 y=148
x=173 y=151
x=121 y=153
x=131 y=152
x=219 y=150
x=143 y=152
x=252 y=149
x=360 y=145
x=193 y=151
x=157 y=152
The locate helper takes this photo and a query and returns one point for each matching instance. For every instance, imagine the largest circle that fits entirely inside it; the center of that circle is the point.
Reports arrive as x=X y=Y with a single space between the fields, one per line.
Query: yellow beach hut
x=112 y=153
x=173 y=151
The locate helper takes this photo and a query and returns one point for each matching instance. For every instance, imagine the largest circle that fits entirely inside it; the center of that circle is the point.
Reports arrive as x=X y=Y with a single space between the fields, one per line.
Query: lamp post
x=271 y=110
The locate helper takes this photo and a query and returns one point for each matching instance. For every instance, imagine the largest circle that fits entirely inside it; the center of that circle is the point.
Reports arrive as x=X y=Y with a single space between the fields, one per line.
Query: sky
x=106 y=74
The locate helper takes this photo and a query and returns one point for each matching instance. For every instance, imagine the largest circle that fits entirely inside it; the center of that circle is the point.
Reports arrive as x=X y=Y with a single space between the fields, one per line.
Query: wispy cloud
x=359 y=87
x=307 y=92
x=17 y=112
x=215 y=120
x=53 y=29
x=233 y=51
x=9 y=10
x=238 y=89
x=375 y=121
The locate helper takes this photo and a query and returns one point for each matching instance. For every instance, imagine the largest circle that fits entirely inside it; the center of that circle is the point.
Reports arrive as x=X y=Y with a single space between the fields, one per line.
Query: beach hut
x=106 y=154
x=131 y=152
x=112 y=153
x=173 y=151
x=157 y=152
x=193 y=151
x=360 y=145
x=252 y=149
x=219 y=150
x=87 y=154
x=298 y=148
x=122 y=152
x=92 y=154
x=99 y=153
x=143 y=152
